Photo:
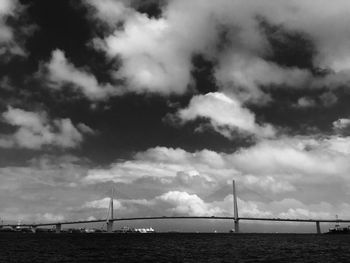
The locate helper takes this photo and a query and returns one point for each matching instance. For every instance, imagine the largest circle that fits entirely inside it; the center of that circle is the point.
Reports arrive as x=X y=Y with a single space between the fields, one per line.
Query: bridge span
x=110 y=219
x=59 y=224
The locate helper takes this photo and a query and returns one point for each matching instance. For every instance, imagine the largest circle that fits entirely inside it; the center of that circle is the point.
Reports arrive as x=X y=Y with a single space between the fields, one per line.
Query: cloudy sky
x=168 y=101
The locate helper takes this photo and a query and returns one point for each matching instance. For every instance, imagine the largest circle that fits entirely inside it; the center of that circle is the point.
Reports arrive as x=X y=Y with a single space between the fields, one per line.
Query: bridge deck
x=182 y=217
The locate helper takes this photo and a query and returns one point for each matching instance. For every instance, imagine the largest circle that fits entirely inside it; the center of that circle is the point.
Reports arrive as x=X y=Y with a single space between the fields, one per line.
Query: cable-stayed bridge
x=235 y=218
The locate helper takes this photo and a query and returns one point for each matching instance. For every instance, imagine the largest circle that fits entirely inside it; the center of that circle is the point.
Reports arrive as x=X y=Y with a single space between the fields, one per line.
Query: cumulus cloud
x=179 y=203
x=184 y=203
x=110 y=11
x=306 y=158
x=151 y=60
x=163 y=164
x=325 y=23
x=284 y=168
x=169 y=203
x=62 y=72
x=305 y=102
x=342 y=126
x=326 y=99
x=341 y=123
x=7 y=7
x=270 y=165
x=35 y=130
x=274 y=178
x=103 y=203
x=85 y=129
x=156 y=52
x=246 y=74
x=268 y=183
x=226 y=114
x=8 y=41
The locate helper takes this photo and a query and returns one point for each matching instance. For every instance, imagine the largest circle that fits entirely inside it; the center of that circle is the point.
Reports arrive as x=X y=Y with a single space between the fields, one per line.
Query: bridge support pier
x=33 y=228
x=318 y=228
x=109 y=226
x=58 y=228
x=236 y=225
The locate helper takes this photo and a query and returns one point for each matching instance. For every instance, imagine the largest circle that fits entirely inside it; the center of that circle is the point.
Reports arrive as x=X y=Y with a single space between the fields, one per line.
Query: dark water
x=173 y=248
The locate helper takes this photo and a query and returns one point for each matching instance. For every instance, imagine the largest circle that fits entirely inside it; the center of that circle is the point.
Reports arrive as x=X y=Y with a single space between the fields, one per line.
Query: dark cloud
x=153 y=8
x=288 y=48
x=203 y=74
x=328 y=99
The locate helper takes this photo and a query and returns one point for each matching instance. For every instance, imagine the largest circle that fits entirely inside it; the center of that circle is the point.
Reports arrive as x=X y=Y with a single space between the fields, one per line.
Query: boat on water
x=337 y=229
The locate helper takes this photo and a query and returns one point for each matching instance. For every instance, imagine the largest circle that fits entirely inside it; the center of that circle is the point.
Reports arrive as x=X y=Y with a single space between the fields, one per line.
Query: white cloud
x=325 y=23
x=103 y=203
x=250 y=208
x=151 y=60
x=169 y=203
x=268 y=183
x=341 y=124
x=305 y=102
x=61 y=71
x=285 y=177
x=188 y=204
x=35 y=130
x=306 y=157
x=180 y=203
x=85 y=129
x=156 y=53
x=339 y=145
x=226 y=114
x=295 y=168
x=275 y=166
x=164 y=164
x=9 y=8
x=110 y=11
x=245 y=74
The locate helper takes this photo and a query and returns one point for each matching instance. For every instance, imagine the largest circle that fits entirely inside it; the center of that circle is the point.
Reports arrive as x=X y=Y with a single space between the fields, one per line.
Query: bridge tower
x=235 y=207
x=110 y=215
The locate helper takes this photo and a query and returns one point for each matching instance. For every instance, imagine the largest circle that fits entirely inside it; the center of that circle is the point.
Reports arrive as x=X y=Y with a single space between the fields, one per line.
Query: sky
x=168 y=101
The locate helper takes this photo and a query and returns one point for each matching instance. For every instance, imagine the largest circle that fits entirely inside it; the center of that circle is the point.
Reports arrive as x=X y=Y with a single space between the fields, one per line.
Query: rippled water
x=173 y=248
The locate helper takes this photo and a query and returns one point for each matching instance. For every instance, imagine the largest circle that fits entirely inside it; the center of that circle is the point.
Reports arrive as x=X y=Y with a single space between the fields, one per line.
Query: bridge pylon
x=235 y=207
x=318 y=228
x=110 y=215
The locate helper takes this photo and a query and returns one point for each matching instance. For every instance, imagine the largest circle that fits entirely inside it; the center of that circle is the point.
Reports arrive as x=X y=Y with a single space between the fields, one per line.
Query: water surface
x=173 y=248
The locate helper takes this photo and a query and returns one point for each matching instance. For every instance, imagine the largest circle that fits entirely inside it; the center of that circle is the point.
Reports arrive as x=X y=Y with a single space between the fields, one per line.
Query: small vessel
x=337 y=229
